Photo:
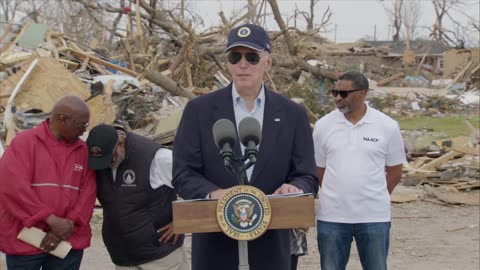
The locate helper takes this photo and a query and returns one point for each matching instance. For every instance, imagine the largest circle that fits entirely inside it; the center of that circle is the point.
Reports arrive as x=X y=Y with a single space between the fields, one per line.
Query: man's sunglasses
x=343 y=93
x=251 y=57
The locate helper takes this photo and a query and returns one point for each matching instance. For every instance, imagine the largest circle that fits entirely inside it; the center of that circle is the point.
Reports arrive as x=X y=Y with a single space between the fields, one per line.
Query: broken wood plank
x=105 y=110
x=434 y=163
x=84 y=65
x=49 y=40
x=477 y=68
x=423 y=58
x=468 y=186
x=161 y=62
x=69 y=63
x=459 y=144
x=391 y=78
x=139 y=35
x=417 y=163
x=11 y=44
x=128 y=49
x=466 y=150
x=274 y=87
x=403 y=198
x=8 y=121
x=83 y=55
x=100 y=69
x=188 y=72
x=460 y=75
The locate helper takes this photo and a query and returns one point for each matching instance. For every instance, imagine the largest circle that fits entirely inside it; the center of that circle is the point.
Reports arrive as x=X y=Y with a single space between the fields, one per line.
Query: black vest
x=132 y=210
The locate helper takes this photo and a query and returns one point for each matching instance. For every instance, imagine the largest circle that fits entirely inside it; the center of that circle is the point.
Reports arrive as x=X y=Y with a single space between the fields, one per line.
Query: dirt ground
x=424 y=236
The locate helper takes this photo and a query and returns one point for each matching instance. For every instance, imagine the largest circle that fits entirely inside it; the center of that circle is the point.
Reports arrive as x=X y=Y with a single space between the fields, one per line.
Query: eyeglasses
x=78 y=123
x=251 y=57
x=343 y=93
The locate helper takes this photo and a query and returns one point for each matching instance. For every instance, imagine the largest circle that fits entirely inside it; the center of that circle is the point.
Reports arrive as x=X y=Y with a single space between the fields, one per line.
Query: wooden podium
x=199 y=216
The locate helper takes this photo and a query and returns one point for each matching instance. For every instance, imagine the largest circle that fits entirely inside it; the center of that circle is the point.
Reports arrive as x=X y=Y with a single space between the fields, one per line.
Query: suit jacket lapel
x=270 y=132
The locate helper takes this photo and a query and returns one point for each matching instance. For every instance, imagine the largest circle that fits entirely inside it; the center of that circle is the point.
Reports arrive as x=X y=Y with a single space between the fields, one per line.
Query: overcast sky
x=354 y=19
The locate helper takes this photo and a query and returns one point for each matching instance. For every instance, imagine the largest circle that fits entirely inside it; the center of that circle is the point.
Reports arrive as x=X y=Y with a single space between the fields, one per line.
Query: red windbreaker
x=39 y=176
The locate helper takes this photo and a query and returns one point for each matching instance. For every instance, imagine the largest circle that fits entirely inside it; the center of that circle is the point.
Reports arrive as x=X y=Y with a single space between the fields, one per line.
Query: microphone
x=250 y=134
x=225 y=136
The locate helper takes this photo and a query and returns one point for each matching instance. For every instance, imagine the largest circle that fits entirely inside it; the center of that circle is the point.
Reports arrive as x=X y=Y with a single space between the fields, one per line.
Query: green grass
x=452 y=126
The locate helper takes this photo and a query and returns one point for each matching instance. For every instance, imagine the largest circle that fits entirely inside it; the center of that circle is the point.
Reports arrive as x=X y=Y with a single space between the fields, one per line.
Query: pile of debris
x=145 y=82
x=453 y=167
x=32 y=80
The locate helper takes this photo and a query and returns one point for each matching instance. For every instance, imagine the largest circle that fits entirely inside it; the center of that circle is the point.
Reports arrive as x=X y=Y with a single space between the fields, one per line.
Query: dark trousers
x=45 y=261
x=294 y=262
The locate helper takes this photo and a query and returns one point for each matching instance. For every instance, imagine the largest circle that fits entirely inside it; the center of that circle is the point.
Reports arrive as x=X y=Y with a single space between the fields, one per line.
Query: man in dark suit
x=285 y=163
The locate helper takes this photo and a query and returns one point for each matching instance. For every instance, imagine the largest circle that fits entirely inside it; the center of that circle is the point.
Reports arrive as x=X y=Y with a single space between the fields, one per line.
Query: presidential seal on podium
x=244 y=213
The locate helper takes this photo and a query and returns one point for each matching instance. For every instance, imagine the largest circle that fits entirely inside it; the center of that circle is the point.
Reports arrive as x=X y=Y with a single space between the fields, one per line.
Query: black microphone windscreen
x=249 y=130
x=224 y=132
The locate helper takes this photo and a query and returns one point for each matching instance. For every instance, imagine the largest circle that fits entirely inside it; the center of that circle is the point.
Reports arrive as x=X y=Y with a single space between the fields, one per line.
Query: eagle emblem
x=243 y=211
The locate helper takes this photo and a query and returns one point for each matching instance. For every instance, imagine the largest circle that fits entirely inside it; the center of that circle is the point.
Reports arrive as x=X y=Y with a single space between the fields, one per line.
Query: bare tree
x=411 y=14
x=292 y=49
x=10 y=8
x=32 y=11
x=251 y=11
x=309 y=16
x=395 y=14
x=442 y=9
x=254 y=11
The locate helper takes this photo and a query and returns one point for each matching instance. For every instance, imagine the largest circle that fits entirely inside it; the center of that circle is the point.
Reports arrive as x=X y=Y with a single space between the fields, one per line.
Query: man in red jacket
x=45 y=183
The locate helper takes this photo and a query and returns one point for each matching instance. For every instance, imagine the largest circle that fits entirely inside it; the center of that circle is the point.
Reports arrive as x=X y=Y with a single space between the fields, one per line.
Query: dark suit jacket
x=285 y=156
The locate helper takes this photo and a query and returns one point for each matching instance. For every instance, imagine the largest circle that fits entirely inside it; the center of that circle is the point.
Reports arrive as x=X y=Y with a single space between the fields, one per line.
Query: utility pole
x=389 y=31
x=182 y=8
x=295 y=20
x=374 y=32
x=335 y=33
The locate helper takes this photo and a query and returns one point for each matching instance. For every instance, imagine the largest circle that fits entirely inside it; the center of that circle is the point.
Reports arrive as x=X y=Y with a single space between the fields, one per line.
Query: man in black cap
x=285 y=163
x=134 y=188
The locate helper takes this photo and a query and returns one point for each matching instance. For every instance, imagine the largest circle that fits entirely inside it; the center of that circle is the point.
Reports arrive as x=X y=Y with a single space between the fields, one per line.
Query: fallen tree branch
x=167 y=84
x=298 y=63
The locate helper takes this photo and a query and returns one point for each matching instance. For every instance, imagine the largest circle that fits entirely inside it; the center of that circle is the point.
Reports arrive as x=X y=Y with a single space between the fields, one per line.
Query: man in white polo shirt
x=359 y=154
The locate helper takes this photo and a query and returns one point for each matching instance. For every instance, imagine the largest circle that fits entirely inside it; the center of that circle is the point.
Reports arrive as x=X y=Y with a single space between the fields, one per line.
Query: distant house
x=432 y=50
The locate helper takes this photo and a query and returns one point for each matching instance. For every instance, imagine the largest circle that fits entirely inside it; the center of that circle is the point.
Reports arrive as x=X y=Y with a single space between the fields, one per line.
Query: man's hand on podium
x=217 y=194
x=287 y=188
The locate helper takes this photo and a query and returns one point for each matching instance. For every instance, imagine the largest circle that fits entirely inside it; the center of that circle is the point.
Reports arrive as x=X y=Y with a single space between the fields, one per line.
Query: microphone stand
x=238 y=168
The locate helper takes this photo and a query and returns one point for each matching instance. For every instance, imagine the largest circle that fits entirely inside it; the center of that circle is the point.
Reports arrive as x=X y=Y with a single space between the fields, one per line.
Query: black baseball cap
x=251 y=36
x=101 y=141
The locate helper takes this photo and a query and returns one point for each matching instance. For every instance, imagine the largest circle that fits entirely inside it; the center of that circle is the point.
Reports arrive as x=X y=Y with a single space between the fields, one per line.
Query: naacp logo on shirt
x=368 y=139
x=77 y=167
x=128 y=178
x=244 y=213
